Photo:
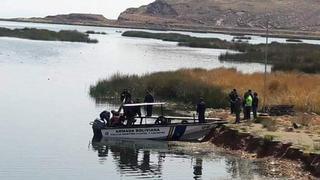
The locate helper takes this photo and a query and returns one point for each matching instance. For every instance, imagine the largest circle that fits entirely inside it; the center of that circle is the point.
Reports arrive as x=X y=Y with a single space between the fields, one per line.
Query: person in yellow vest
x=248 y=106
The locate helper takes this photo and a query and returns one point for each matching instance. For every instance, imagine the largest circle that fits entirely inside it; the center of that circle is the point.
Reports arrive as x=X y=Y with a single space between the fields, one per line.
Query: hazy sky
x=40 y=8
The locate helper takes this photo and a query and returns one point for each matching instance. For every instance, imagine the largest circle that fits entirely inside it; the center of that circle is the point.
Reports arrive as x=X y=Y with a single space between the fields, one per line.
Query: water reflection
x=133 y=157
x=163 y=160
x=197 y=168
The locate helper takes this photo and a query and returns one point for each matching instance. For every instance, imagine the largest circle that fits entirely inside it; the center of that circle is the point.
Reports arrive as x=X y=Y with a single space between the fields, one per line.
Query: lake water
x=45 y=110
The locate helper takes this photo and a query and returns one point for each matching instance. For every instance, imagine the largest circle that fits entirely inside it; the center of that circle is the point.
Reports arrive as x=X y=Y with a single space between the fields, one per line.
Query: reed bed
x=47 y=35
x=187 y=85
x=299 y=89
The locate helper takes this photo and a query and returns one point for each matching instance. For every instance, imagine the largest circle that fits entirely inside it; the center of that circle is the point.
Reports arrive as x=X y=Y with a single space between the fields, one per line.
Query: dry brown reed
x=299 y=89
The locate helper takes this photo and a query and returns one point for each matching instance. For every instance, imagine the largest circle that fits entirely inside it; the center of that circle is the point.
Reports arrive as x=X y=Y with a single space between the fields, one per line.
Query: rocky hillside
x=293 y=15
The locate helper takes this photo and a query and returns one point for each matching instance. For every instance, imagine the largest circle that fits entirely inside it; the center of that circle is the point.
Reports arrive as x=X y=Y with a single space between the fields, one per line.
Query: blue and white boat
x=161 y=127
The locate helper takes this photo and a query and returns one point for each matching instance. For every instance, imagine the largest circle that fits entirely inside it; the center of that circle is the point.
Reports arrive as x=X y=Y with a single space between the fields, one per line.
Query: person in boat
x=149 y=99
x=125 y=95
x=129 y=112
x=201 y=109
x=116 y=120
x=105 y=117
x=137 y=109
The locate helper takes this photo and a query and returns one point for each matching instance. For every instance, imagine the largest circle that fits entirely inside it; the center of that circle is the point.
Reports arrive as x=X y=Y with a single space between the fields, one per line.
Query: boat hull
x=158 y=132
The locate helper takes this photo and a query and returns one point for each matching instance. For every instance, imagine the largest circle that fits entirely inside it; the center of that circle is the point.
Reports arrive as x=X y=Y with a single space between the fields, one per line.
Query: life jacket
x=248 y=102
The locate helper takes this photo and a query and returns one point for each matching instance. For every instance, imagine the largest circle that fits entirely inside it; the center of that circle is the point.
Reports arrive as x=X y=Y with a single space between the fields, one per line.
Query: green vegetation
x=183 y=40
x=294 y=40
x=47 y=35
x=173 y=86
x=285 y=57
x=95 y=32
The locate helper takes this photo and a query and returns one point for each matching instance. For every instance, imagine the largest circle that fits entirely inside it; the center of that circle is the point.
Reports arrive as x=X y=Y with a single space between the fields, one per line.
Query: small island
x=47 y=35
x=294 y=40
x=96 y=32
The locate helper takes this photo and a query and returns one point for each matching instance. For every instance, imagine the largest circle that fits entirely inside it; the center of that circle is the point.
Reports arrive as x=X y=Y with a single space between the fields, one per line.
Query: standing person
x=125 y=95
x=248 y=106
x=237 y=108
x=255 y=104
x=232 y=98
x=149 y=99
x=129 y=112
x=201 y=109
x=245 y=96
x=137 y=109
x=250 y=93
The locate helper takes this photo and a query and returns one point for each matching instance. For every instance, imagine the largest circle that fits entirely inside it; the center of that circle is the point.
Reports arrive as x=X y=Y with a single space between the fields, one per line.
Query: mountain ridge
x=298 y=15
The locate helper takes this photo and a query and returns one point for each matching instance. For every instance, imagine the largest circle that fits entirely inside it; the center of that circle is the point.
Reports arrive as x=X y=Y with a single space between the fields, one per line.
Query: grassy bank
x=47 y=35
x=285 y=57
x=301 y=90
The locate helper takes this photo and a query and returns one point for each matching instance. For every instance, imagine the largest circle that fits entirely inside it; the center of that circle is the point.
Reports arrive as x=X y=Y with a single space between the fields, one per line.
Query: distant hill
x=294 y=15
x=287 y=18
x=74 y=18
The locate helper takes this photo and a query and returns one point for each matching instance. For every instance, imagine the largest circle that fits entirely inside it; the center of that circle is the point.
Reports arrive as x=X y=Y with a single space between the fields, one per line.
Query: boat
x=169 y=128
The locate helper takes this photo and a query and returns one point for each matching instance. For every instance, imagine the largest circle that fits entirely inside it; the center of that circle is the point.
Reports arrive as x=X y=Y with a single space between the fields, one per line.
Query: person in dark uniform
x=232 y=98
x=201 y=109
x=237 y=108
x=125 y=95
x=137 y=109
x=255 y=104
x=149 y=99
x=129 y=112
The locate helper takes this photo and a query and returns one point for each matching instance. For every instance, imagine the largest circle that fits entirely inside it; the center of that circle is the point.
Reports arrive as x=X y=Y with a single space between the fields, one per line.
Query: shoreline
x=286 y=34
x=270 y=167
x=275 y=167
x=248 y=145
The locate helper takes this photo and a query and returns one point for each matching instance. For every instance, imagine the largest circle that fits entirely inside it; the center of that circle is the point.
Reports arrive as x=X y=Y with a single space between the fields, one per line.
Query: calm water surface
x=45 y=110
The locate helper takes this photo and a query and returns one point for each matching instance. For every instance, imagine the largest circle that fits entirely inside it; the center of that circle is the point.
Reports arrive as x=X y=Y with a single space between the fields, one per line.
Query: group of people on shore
x=248 y=103
x=129 y=112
